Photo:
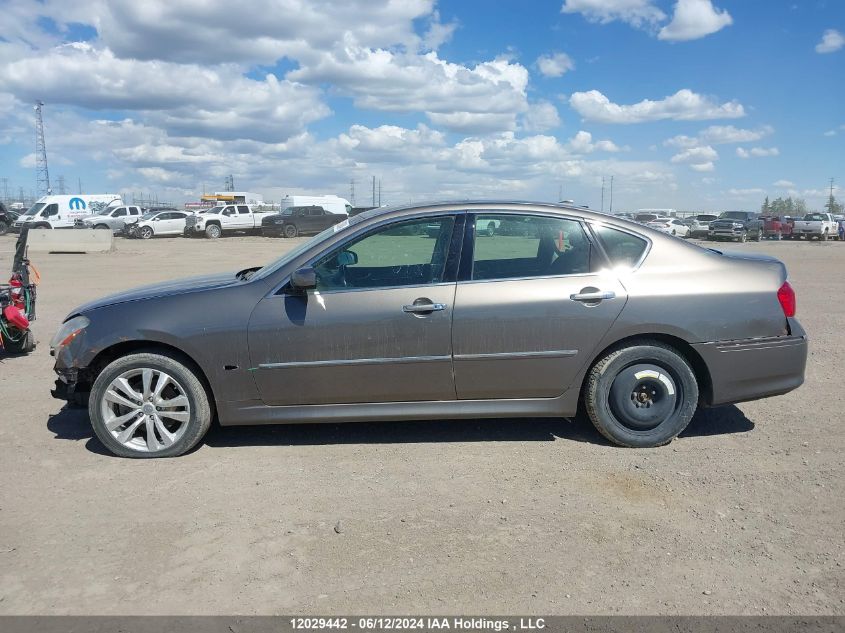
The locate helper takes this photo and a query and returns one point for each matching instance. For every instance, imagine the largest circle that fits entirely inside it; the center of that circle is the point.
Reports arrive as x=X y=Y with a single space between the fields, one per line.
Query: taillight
x=786 y=296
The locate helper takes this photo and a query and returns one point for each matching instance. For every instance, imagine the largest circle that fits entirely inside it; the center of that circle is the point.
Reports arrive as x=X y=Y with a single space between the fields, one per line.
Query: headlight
x=738 y=225
x=278 y=220
x=69 y=331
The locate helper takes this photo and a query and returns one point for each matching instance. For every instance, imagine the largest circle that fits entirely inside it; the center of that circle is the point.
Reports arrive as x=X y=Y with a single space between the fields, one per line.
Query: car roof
x=488 y=205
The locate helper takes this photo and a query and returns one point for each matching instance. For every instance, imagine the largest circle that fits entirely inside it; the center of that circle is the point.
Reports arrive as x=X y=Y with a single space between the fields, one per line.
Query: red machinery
x=17 y=303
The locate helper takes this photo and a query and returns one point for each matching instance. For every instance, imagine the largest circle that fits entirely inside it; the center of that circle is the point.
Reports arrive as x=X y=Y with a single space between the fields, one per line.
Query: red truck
x=776 y=228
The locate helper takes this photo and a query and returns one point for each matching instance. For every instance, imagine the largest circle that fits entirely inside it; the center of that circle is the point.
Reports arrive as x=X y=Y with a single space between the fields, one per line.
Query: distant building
x=234 y=197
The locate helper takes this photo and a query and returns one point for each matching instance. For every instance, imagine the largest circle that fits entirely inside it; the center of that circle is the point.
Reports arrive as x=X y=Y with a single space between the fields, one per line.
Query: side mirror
x=347 y=258
x=303 y=279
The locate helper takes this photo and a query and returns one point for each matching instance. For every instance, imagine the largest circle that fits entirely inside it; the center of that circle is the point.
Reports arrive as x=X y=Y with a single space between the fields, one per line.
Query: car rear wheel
x=212 y=231
x=291 y=230
x=4 y=228
x=642 y=395
x=149 y=405
x=146 y=232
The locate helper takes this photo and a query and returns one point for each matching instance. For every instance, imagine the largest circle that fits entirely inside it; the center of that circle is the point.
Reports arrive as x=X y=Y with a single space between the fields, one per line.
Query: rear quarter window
x=623 y=249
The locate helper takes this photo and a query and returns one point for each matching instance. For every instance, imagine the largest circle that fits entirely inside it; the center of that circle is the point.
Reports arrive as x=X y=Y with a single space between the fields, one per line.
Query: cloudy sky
x=686 y=103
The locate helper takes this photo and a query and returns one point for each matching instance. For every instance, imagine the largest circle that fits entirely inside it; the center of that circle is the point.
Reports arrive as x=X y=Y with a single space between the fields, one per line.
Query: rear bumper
x=749 y=369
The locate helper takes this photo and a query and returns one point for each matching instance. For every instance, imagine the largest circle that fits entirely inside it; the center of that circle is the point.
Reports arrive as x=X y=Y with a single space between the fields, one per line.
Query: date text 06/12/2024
x=416 y=623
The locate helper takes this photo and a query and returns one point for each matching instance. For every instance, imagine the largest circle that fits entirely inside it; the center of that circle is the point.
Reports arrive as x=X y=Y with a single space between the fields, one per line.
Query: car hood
x=163 y=289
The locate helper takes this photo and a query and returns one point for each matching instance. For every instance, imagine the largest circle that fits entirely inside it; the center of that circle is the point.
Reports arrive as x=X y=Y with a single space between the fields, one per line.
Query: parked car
x=699 y=225
x=158 y=223
x=224 y=219
x=820 y=226
x=672 y=226
x=7 y=218
x=113 y=219
x=371 y=321
x=294 y=221
x=776 y=228
x=645 y=218
x=736 y=226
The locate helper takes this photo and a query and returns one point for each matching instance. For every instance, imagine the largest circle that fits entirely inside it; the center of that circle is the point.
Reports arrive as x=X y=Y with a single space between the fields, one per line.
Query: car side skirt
x=255 y=412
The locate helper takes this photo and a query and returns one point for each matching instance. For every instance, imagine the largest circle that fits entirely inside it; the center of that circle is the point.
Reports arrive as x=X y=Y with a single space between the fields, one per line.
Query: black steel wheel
x=291 y=230
x=642 y=395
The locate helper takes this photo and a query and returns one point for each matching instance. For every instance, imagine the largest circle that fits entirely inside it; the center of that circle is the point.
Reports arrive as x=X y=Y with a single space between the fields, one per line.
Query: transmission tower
x=229 y=183
x=62 y=190
x=42 y=175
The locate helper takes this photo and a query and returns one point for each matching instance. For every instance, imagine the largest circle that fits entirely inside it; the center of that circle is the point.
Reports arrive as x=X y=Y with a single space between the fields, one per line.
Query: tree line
x=796 y=207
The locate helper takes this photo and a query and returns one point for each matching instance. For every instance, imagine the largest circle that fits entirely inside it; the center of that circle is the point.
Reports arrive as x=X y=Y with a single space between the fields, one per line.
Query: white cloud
x=698 y=158
x=215 y=101
x=720 y=135
x=744 y=193
x=694 y=19
x=784 y=184
x=450 y=94
x=582 y=143
x=555 y=65
x=635 y=12
x=832 y=41
x=757 y=152
x=684 y=105
x=540 y=117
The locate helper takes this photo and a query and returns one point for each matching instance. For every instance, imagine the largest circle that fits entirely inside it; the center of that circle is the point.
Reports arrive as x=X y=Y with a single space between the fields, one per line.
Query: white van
x=332 y=204
x=60 y=212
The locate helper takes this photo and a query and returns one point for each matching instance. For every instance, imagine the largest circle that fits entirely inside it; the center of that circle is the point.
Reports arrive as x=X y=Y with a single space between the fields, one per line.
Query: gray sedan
x=382 y=317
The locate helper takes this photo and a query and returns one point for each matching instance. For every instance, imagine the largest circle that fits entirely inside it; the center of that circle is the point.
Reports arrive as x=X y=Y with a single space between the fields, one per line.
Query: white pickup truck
x=224 y=218
x=821 y=226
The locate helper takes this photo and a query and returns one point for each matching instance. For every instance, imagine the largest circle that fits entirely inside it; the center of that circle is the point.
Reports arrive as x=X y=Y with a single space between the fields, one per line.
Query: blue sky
x=690 y=104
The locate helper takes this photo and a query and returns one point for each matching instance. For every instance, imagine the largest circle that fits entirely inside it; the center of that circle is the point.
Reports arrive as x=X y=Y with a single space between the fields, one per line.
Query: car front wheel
x=291 y=230
x=212 y=231
x=146 y=232
x=642 y=395
x=149 y=405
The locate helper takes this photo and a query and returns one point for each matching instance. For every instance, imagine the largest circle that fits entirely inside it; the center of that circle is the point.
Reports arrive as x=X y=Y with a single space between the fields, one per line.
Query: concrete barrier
x=69 y=241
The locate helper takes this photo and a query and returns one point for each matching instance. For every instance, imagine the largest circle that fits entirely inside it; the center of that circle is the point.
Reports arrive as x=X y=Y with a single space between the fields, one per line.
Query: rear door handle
x=422 y=308
x=592 y=296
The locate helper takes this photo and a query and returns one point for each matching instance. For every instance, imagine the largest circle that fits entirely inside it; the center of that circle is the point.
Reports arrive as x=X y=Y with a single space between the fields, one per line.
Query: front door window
x=410 y=253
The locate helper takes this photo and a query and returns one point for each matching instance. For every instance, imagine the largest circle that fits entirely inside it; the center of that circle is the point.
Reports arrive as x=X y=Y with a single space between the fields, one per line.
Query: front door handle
x=592 y=296
x=423 y=308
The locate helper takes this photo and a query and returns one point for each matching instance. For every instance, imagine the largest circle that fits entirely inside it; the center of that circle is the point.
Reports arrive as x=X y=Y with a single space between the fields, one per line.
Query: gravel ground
x=743 y=514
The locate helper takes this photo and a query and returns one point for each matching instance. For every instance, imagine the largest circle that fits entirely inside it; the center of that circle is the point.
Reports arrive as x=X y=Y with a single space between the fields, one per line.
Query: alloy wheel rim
x=145 y=410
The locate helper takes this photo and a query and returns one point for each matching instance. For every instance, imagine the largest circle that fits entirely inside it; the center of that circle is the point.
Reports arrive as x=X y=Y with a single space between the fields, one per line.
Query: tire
x=673 y=232
x=42 y=225
x=101 y=227
x=617 y=399
x=759 y=236
x=213 y=231
x=823 y=237
x=291 y=230
x=24 y=345
x=145 y=232
x=743 y=237
x=4 y=227
x=183 y=382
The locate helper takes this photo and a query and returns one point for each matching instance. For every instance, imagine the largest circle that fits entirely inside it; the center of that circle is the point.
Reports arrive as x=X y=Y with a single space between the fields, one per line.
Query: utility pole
x=79 y=185
x=42 y=174
x=62 y=186
x=5 y=190
x=20 y=195
x=352 y=191
x=560 y=193
x=602 y=194
x=374 y=191
x=379 y=192
x=611 y=194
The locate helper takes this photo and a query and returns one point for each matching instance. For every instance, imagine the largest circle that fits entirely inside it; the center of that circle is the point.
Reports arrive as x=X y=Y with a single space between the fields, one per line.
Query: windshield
x=34 y=209
x=211 y=210
x=705 y=218
x=733 y=215
x=287 y=211
x=149 y=215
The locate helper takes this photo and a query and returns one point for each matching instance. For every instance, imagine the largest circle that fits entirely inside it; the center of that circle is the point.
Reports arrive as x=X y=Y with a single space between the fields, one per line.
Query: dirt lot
x=741 y=515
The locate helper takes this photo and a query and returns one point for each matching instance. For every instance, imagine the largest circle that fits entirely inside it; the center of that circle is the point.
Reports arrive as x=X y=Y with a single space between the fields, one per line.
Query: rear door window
x=514 y=246
x=623 y=249
x=243 y=209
